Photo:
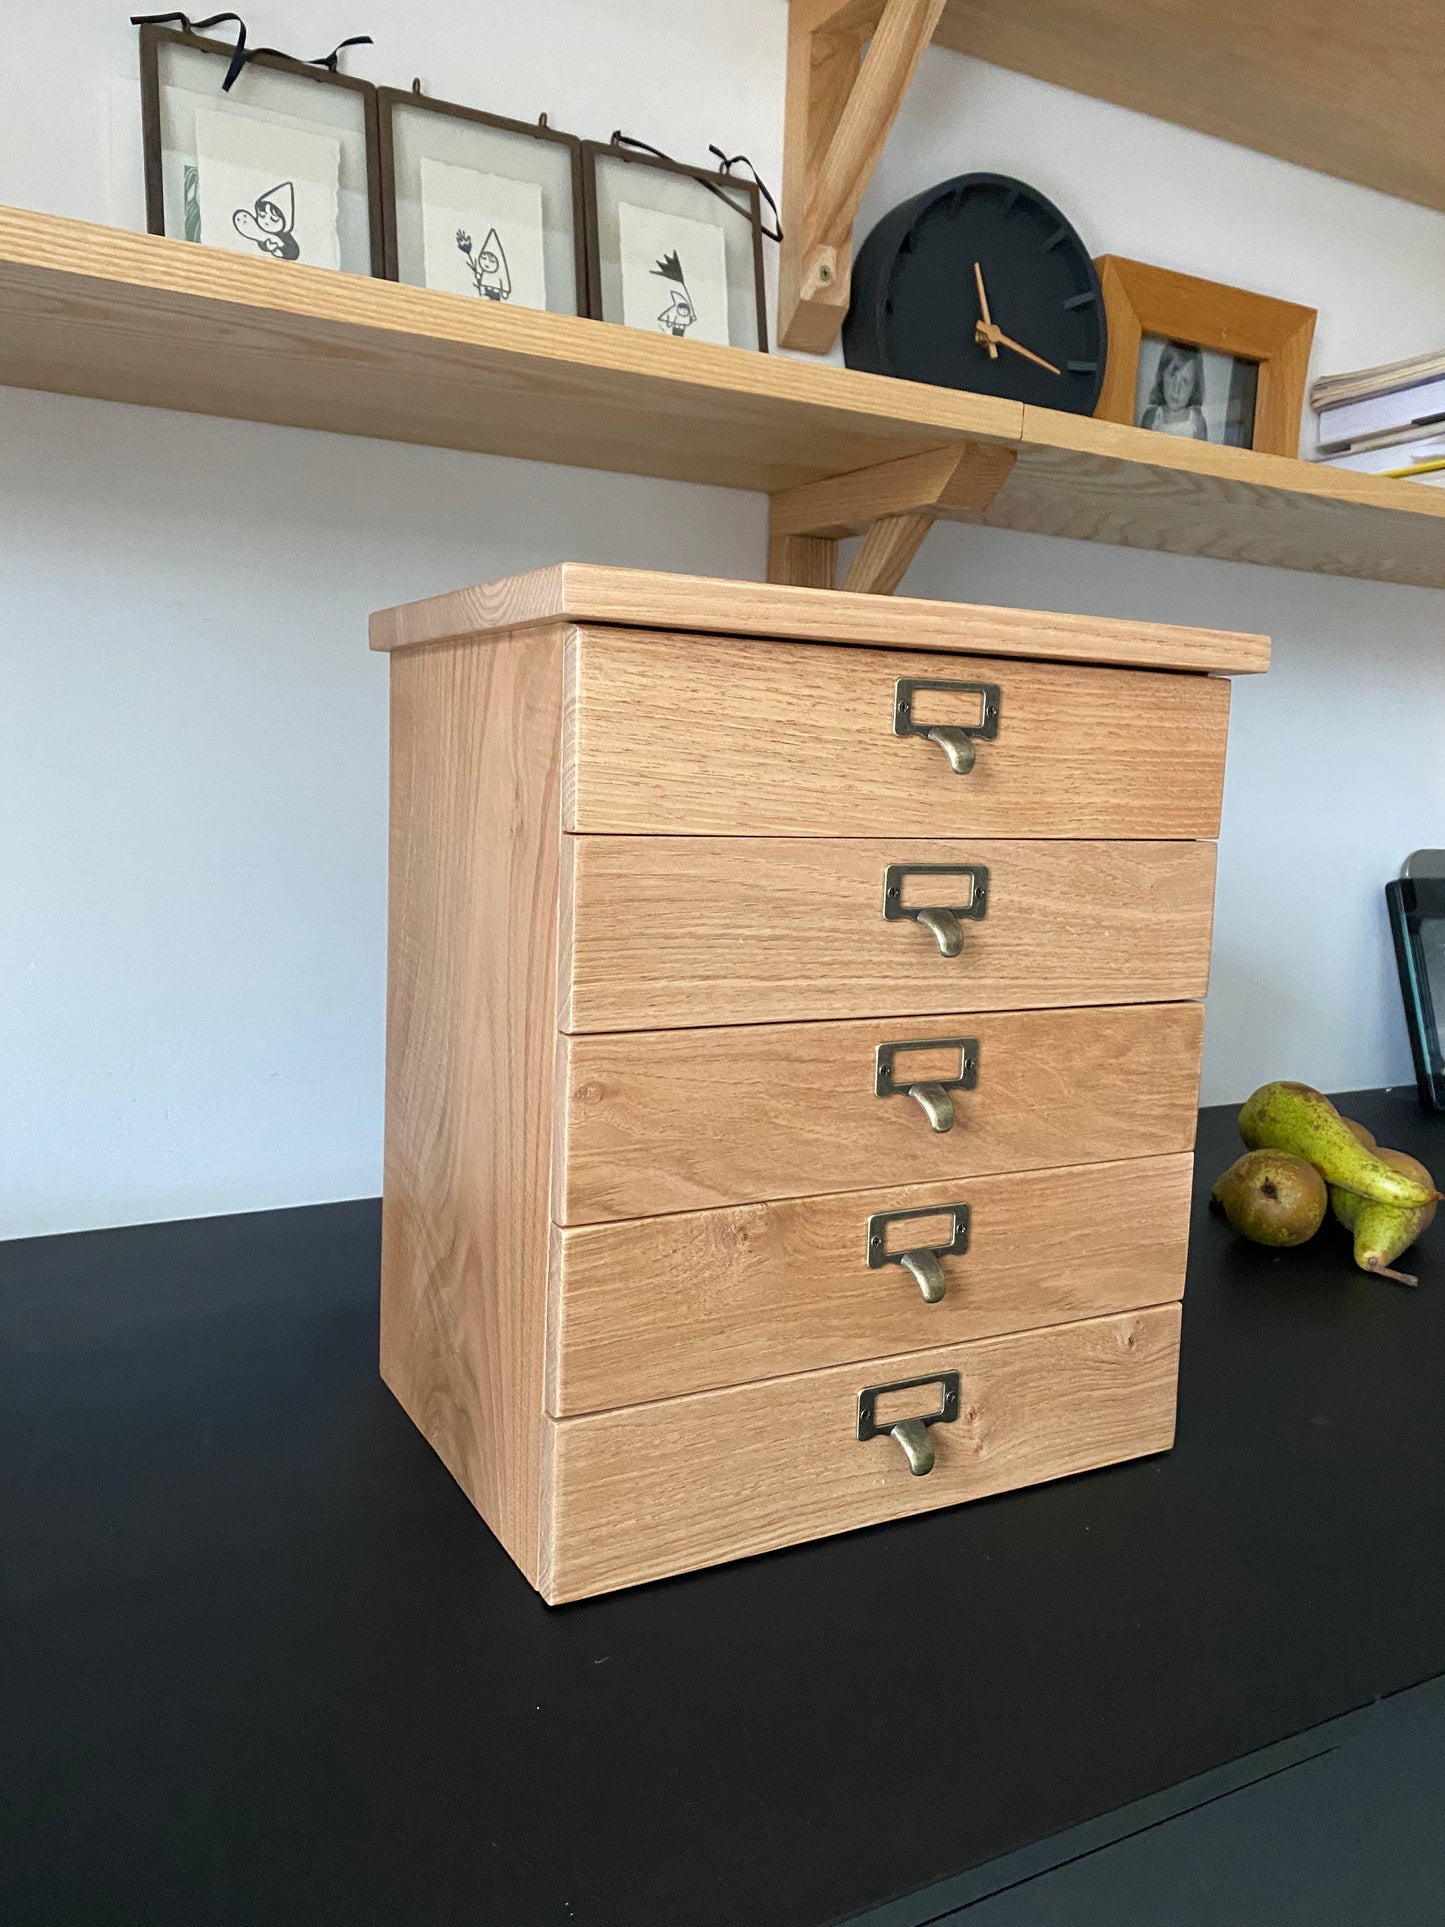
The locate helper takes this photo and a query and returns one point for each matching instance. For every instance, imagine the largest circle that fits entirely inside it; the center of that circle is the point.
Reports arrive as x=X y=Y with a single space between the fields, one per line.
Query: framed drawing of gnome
x=252 y=151
x=673 y=249
x=480 y=206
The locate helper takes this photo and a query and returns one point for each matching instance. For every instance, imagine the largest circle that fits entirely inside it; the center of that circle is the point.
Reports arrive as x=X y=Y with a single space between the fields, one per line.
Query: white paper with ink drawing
x=483 y=235
x=267 y=189
x=674 y=274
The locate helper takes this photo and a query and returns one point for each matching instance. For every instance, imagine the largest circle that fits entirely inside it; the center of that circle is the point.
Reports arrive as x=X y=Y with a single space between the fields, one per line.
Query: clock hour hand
x=982 y=334
x=999 y=339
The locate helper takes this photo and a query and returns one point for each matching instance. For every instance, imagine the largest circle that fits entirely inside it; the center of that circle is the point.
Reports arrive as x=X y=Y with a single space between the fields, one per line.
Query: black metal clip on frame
x=241 y=54
x=726 y=165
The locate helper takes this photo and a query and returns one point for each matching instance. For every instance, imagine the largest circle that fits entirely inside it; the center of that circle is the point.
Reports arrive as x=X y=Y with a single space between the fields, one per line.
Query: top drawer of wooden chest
x=689 y=735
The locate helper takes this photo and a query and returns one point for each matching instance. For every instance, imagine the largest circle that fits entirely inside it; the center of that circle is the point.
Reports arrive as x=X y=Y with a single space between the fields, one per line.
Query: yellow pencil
x=1420 y=468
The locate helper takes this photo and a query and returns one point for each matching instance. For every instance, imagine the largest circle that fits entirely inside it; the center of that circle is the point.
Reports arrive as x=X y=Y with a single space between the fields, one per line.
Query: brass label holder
x=931 y=1093
x=911 y=1433
x=956 y=740
x=943 y=921
x=923 y=1263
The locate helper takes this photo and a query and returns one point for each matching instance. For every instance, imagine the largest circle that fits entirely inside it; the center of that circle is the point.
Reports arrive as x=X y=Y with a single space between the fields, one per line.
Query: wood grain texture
x=1140 y=300
x=711 y=605
x=88 y=310
x=679 y=735
x=686 y=1120
x=806 y=561
x=886 y=552
x=659 y=1307
x=896 y=42
x=690 y=1482
x=1348 y=90
x=470 y=1042
x=666 y=931
x=822 y=69
x=1098 y=481
x=838 y=109
x=956 y=482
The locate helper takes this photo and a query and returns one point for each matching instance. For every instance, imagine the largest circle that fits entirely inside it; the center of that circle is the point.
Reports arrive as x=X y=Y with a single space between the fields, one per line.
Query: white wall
x=192 y=733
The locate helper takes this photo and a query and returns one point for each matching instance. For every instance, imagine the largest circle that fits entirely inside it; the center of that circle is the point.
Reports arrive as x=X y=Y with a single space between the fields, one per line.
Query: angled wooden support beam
x=958 y=481
x=892 y=506
x=887 y=548
x=840 y=104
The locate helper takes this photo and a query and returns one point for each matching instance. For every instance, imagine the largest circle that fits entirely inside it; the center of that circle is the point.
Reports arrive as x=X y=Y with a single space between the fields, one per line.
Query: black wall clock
x=980 y=283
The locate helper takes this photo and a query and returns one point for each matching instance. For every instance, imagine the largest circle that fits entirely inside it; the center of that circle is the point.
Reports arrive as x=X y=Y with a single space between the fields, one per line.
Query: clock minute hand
x=1027 y=353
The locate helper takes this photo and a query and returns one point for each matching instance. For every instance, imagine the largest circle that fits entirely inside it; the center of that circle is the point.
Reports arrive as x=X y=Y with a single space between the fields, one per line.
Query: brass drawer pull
x=931 y=1093
x=924 y=1262
x=911 y=1433
x=945 y=922
x=956 y=740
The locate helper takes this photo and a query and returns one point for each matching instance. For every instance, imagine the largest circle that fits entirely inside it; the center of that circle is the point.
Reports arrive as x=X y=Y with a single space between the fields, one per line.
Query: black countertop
x=261 y=1663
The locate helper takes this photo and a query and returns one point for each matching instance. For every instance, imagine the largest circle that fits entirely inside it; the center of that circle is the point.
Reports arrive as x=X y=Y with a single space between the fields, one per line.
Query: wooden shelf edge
x=1100 y=482
x=1233 y=467
x=97 y=312
x=142 y=277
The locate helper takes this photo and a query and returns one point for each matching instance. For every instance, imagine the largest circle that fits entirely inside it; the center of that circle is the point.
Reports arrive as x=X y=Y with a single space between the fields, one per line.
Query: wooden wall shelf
x=128 y=317
x=1347 y=90
x=131 y=317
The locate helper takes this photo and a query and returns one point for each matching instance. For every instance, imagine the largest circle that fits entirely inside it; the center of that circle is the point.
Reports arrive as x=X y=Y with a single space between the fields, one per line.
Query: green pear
x=1272 y=1197
x=1383 y=1231
x=1367 y=1138
x=1293 y=1117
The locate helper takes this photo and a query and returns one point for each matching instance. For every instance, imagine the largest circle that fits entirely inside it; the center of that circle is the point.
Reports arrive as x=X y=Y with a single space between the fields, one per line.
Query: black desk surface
x=261 y=1663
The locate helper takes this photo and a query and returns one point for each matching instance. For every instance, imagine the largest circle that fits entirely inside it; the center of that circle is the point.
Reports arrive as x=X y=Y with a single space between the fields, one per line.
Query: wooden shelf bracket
x=892 y=506
x=840 y=105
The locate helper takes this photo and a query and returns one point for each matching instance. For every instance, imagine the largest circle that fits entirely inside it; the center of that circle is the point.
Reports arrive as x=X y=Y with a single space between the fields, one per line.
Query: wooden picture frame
x=155 y=38
x=394 y=101
x=1144 y=303
x=741 y=194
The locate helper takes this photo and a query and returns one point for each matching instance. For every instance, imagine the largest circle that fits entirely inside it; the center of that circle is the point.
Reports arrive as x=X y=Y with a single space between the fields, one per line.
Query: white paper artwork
x=674 y=274
x=482 y=235
x=267 y=188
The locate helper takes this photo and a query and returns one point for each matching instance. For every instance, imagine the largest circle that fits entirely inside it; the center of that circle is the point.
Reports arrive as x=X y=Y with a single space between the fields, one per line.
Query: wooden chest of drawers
x=793 y=1052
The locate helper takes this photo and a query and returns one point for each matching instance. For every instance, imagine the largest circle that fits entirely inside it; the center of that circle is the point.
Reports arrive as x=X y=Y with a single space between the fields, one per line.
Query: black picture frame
x=154 y=37
x=741 y=193
x=388 y=99
x=1417 y=924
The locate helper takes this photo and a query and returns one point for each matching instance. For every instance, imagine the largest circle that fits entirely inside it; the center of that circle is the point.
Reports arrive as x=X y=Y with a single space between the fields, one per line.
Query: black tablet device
x=1417 y=921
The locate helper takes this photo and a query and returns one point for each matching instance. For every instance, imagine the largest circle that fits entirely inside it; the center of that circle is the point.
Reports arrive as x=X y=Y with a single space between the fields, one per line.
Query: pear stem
x=1384 y=1271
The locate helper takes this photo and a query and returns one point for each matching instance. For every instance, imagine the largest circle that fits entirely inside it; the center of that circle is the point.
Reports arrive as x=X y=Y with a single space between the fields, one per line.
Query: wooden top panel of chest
x=707 y=606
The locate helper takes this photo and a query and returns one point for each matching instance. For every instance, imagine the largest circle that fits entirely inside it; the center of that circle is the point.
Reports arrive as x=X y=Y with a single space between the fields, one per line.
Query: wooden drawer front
x=688 y=1482
x=659 y=1307
x=685 y=736
x=742 y=930
x=683 y=1120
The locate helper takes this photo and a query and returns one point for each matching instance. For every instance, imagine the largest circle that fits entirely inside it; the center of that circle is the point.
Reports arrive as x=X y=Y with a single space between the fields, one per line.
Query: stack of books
x=1385 y=421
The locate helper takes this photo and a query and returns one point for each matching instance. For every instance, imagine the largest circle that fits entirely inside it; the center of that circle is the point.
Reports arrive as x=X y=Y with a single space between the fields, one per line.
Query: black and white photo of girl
x=1176 y=401
x=271 y=221
x=1198 y=393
